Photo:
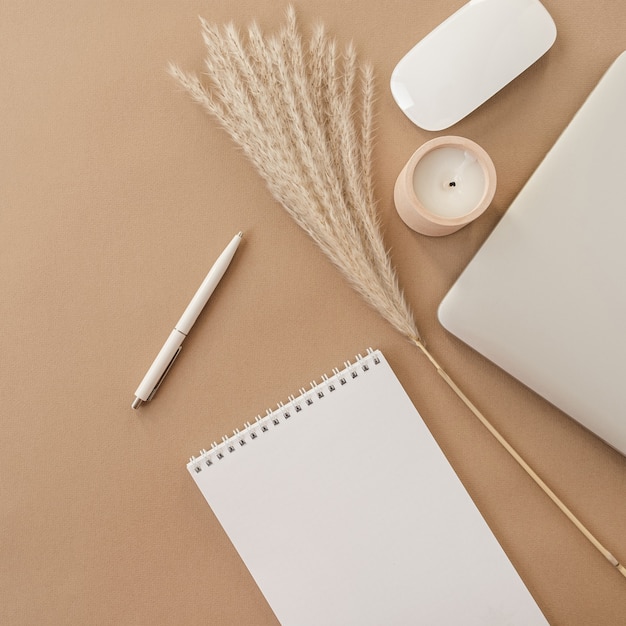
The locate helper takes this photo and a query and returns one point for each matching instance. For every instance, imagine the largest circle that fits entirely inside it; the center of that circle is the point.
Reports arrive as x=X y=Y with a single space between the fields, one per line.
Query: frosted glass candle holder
x=446 y=184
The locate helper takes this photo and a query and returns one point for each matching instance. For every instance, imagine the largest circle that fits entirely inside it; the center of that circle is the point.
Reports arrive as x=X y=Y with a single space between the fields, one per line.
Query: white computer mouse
x=470 y=57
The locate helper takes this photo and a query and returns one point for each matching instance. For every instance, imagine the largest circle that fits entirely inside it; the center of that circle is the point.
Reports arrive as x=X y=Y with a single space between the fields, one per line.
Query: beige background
x=116 y=195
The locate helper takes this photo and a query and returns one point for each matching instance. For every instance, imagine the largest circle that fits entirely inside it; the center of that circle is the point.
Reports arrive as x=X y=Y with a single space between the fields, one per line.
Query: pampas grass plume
x=303 y=115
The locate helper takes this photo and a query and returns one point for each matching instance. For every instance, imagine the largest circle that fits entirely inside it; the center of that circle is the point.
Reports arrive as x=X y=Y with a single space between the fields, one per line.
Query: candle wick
x=452 y=184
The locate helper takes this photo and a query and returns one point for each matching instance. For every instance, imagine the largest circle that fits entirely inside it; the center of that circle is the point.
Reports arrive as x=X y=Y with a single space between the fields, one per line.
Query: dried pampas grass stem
x=303 y=115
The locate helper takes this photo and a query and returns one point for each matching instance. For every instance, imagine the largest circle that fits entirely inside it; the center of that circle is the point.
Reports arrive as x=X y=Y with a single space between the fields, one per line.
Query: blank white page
x=347 y=512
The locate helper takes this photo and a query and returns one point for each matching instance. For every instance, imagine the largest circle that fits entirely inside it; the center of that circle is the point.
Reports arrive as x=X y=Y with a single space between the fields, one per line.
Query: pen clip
x=164 y=374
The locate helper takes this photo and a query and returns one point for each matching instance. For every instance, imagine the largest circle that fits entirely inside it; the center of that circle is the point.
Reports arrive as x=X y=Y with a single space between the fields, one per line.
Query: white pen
x=172 y=347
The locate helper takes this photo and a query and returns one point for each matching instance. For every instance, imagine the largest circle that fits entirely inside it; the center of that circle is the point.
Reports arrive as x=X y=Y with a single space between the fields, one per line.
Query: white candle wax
x=449 y=181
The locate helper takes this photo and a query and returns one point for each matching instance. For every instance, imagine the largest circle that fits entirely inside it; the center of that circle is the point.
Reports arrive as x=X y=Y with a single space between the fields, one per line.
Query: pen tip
x=240 y=233
x=137 y=402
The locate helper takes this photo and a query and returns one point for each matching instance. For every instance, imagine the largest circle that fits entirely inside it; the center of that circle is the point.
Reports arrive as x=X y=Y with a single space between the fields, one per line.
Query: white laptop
x=545 y=296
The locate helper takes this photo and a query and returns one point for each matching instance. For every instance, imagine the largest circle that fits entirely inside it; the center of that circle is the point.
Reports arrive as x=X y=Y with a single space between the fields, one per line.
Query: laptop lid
x=545 y=296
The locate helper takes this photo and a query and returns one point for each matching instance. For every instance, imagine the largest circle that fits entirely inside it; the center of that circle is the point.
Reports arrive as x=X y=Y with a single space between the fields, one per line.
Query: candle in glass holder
x=447 y=183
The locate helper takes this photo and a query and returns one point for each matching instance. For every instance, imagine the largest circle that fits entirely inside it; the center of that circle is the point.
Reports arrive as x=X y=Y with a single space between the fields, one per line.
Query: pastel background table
x=116 y=195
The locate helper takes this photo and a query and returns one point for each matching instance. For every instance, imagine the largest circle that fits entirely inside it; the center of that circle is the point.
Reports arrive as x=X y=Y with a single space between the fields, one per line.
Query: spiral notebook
x=345 y=511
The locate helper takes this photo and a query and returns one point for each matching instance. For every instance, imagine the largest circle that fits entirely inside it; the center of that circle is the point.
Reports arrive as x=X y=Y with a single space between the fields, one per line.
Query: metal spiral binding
x=274 y=418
